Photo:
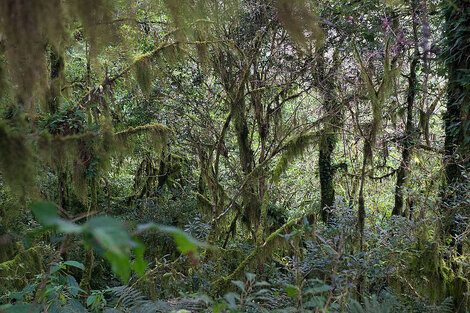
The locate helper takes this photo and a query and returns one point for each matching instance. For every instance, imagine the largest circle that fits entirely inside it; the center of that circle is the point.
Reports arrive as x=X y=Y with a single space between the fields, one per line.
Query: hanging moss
x=156 y=133
x=378 y=95
x=44 y=21
x=293 y=149
x=144 y=74
x=87 y=153
x=299 y=20
x=16 y=159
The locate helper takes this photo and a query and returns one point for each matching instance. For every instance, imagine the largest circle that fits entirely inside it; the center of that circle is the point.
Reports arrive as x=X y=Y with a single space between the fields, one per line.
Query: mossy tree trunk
x=403 y=169
x=250 y=195
x=56 y=77
x=327 y=85
x=53 y=102
x=326 y=171
x=457 y=138
x=457 y=117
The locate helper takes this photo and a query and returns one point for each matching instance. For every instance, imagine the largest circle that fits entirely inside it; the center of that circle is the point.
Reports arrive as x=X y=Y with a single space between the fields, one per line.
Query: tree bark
x=326 y=171
x=457 y=119
x=327 y=85
x=454 y=208
x=408 y=141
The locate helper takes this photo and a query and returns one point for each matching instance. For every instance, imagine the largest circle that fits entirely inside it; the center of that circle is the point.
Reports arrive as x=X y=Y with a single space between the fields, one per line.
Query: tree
x=457 y=137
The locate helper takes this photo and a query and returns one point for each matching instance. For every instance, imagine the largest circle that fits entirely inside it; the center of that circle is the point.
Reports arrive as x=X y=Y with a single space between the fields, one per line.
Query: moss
x=204 y=204
x=459 y=290
x=144 y=74
x=16 y=273
x=326 y=172
x=8 y=247
x=16 y=157
x=157 y=133
x=292 y=149
x=299 y=23
x=87 y=273
x=441 y=280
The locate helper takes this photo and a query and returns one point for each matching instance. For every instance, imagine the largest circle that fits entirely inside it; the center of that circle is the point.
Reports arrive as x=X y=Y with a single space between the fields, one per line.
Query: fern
x=390 y=305
x=129 y=299
x=447 y=306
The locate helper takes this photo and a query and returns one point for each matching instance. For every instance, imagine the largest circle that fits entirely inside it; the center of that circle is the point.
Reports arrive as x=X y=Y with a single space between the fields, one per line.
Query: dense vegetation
x=234 y=156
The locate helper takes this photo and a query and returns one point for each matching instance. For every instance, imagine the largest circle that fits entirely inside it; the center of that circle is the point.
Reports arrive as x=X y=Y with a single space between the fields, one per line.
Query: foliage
x=234 y=156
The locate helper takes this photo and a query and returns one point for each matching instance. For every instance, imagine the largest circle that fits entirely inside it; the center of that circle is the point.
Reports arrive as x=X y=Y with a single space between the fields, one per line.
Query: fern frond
x=447 y=306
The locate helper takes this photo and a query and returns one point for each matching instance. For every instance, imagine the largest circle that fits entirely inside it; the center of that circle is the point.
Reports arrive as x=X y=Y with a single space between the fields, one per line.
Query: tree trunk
x=327 y=190
x=457 y=136
x=332 y=109
x=251 y=200
x=408 y=141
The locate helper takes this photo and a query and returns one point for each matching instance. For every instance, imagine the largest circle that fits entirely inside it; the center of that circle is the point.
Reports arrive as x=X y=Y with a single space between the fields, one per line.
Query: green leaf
x=231 y=299
x=75 y=264
x=45 y=212
x=291 y=290
x=109 y=234
x=250 y=276
x=239 y=284
x=120 y=264
x=91 y=299
x=262 y=284
x=318 y=289
x=139 y=264
x=184 y=242
x=146 y=227
x=67 y=227
x=113 y=241
x=20 y=308
x=56 y=267
x=75 y=306
x=72 y=285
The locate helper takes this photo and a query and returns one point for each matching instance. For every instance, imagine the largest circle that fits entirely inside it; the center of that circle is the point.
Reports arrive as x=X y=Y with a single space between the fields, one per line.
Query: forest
x=235 y=156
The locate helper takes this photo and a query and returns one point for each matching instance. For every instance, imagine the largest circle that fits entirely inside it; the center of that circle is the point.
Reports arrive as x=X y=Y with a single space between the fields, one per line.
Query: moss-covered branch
x=154 y=129
x=221 y=283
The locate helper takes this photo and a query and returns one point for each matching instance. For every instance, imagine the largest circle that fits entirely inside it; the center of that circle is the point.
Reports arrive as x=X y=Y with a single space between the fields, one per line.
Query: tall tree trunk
x=408 y=141
x=332 y=109
x=361 y=210
x=409 y=135
x=251 y=200
x=326 y=171
x=457 y=139
x=457 y=127
x=53 y=101
x=56 y=76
